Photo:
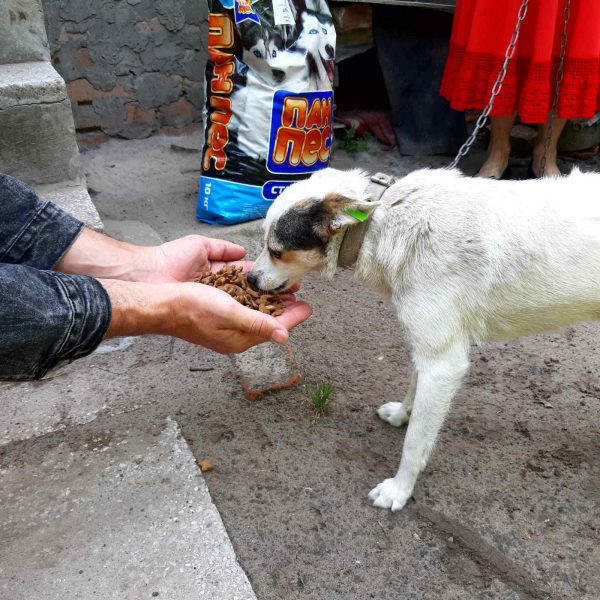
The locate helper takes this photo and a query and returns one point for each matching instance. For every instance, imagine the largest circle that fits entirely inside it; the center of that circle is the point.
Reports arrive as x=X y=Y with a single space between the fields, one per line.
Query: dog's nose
x=330 y=50
x=252 y=279
x=278 y=75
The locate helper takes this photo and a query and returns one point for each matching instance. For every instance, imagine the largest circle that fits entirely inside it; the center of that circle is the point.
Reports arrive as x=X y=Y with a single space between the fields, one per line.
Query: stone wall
x=131 y=66
x=22 y=34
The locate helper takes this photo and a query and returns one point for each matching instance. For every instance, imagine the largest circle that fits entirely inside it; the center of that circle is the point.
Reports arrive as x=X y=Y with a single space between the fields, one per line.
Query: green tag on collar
x=359 y=215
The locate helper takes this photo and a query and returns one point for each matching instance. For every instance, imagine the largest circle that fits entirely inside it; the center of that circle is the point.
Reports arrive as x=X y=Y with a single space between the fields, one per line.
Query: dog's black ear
x=345 y=212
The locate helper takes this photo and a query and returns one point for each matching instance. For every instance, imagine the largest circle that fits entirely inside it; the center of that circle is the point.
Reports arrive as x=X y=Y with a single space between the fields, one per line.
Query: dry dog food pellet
x=206 y=465
x=232 y=280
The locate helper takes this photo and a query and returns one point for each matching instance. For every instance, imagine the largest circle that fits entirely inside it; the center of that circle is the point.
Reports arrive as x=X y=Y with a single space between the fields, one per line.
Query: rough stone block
x=85 y=116
x=111 y=111
x=82 y=59
x=139 y=124
x=38 y=144
x=130 y=63
x=192 y=65
x=196 y=13
x=30 y=83
x=155 y=89
x=81 y=90
x=179 y=113
x=22 y=32
x=73 y=198
x=266 y=368
x=194 y=92
x=191 y=37
x=76 y=12
x=97 y=43
x=65 y=59
x=102 y=78
x=171 y=15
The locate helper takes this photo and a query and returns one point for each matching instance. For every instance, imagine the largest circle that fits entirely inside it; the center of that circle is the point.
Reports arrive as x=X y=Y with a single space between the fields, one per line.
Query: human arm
x=190 y=311
x=180 y=260
x=198 y=314
x=100 y=288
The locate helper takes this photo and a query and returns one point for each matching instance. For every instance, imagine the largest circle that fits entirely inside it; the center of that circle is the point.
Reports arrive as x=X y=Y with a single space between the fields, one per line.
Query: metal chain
x=559 y=78
x=510 y=50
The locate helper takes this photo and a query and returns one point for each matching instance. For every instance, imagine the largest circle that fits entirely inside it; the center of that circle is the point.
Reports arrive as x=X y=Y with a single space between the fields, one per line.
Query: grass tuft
x=353 y=144
x=320 y=398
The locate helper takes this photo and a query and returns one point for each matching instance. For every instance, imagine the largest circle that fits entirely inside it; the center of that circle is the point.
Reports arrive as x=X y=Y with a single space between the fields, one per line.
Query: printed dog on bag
x=254 y=64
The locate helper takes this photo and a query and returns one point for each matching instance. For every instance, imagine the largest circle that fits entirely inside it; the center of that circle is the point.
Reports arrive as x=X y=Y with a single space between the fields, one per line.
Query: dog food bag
x=269 y=100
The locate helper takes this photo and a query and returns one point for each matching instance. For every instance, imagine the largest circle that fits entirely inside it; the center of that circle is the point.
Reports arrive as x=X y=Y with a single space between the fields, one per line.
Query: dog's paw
x=388 y=494
x=393 y=413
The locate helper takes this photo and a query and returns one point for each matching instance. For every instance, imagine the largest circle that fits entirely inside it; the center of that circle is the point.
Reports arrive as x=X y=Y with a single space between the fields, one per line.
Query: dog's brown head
x=303 y=222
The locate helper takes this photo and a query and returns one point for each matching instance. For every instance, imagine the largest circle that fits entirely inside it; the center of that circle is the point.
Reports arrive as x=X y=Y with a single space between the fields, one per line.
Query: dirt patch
x=293 y=494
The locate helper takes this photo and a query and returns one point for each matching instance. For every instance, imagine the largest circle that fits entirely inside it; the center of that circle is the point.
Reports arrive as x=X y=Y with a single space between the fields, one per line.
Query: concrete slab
x=73 y=198
x=108 y=384
x=38 y=144
x=120 y=171
x=30 y=83
x=134 y=232
x=126 y=518
x=22 y=31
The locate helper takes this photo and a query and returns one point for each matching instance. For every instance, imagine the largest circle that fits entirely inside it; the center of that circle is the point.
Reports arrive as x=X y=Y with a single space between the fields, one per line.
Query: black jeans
x=45 y=317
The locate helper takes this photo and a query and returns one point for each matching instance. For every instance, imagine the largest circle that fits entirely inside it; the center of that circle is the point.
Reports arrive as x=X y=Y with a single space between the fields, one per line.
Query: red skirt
x=481 y=32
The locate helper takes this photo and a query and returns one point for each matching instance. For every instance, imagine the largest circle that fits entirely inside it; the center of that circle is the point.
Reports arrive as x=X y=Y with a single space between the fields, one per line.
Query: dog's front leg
x=438 y=380
x=398 y=413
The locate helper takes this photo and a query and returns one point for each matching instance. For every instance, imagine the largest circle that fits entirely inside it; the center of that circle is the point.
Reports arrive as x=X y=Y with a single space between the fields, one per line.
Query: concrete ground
x=507 y=508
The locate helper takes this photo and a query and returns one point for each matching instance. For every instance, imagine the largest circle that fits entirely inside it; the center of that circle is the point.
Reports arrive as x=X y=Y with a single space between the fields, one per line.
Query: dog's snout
x=252 y=279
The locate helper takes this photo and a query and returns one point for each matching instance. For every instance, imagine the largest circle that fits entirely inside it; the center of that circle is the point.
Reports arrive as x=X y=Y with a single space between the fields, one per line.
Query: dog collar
x=354 y=235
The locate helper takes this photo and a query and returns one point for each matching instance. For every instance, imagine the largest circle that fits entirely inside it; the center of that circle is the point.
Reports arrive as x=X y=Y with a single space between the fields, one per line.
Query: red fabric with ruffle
x=481 y=32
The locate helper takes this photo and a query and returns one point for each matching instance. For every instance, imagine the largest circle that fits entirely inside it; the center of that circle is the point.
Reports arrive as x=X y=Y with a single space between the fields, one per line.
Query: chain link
x=510 y=51
x=559 y=78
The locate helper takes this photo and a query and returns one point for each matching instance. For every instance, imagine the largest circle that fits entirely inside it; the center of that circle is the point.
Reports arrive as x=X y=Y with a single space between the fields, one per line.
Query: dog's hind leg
x=398 y=413
x=438 y=380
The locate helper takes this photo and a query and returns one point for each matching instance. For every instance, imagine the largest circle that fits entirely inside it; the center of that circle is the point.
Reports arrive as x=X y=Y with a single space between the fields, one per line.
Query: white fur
x=464 y=261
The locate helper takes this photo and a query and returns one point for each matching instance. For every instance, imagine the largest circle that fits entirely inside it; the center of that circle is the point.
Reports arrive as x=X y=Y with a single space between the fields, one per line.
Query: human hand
x=185 y=259
x=197 y=313
x=213 y=319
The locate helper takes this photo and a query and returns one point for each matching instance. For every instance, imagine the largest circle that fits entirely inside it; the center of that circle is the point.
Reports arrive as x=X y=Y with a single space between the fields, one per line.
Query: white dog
x=463 y=261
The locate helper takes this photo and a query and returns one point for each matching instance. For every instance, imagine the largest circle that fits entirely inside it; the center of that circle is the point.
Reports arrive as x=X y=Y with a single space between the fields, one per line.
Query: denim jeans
x=45 y=317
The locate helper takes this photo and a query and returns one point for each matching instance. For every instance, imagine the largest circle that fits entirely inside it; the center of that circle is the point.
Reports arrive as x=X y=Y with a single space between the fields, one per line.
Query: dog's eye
x=257 y=54
x=313 y=31
x=274 y=53
x=324 y=30
x=275 y=254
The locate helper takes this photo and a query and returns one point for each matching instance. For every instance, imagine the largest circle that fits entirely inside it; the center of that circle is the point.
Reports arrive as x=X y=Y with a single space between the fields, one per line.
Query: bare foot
x=551 y=169
x=495 y=165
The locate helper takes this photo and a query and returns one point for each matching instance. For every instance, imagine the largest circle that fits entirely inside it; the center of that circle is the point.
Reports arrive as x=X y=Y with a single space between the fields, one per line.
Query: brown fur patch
x=299 y=256
x=333 y=203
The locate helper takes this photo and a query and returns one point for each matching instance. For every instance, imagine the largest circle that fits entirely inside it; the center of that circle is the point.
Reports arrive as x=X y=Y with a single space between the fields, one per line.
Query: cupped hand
x=186 y=258
x=211 y=318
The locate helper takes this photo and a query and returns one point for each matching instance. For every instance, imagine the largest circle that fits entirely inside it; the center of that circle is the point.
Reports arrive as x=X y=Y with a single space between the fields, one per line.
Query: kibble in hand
x=232 y=280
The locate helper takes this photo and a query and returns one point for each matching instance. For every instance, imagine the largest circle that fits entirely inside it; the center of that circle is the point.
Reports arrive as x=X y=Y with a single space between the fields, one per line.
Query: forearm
x=103 y=257
x=140 y=308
